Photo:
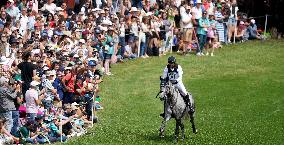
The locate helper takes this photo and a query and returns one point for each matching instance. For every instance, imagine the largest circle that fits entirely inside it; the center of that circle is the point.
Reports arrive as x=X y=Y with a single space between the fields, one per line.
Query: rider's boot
x=188 y=103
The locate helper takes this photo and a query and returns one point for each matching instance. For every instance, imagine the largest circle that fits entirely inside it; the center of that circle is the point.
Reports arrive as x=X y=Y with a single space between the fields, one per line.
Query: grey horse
x=175 y=107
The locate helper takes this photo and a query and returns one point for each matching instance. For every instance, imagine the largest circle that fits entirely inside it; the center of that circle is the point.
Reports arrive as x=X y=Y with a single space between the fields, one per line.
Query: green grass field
x=238 y=94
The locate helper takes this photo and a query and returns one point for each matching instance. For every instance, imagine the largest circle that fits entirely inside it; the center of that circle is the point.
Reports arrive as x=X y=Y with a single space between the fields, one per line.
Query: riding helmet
x=171 y=59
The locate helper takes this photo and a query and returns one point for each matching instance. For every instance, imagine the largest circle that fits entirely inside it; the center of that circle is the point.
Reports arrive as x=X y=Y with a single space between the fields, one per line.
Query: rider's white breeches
x=183 y=91
x=181 y=88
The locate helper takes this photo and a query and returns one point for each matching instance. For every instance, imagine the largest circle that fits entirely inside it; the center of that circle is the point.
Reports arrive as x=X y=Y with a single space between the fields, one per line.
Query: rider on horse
x=173 y=72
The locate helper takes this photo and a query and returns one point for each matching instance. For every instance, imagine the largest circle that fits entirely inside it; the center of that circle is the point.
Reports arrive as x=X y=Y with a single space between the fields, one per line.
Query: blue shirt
x=53 y=130
x=202 y=21
x=59 y=87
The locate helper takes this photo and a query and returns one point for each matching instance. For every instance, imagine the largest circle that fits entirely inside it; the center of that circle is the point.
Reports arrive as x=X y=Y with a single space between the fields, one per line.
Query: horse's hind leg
x=191 y=115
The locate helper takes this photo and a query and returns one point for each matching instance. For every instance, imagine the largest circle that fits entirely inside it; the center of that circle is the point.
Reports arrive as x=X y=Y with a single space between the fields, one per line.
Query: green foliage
x=238 y=94
x=267 y=35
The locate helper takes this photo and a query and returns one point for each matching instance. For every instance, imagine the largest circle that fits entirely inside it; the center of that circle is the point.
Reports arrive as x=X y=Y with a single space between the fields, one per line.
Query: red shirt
x=70 y=82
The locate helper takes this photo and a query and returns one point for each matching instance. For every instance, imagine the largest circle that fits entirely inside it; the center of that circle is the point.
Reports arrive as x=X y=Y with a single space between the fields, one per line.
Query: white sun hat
x=35 y=83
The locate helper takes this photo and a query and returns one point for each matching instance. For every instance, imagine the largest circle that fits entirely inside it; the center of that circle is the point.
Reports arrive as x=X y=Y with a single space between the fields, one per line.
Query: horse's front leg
x=182 y=131
x=167 y=117
x=177 y=130
x=162 y=129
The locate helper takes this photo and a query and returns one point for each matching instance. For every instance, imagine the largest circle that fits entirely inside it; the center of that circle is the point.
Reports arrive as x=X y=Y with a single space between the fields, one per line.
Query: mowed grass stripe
x=238 y=94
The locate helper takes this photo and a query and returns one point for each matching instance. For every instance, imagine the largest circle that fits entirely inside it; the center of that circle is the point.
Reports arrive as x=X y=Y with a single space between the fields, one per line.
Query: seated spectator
x=241 y=32
x=54 y=134
x=28 y=133
x=252 y=31
x=5 y=137
x=128 y=53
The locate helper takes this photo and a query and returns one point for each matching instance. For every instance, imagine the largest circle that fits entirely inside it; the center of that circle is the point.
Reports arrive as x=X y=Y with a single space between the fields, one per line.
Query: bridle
x=167 y=91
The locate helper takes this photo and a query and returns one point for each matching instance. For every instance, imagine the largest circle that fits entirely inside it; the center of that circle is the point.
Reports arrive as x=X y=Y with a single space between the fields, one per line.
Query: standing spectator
x=144 y=30
x=5 y=49
x=134 y=33
x=122 y=36
x=109 y=50
x=58 y=85
x=49 y=6
x=187 y=18
x=210 y=7
x=12 y=10
x=50 y=91
x=197 y=10
x=211 y=34
x=226 y=13
x=219 y=24
x=202 y=28
x=33 y=99
x=232 y=23
x=7 y=96
x=28 y=70
x=24 y=22
x=69 y=82
x=17 y=101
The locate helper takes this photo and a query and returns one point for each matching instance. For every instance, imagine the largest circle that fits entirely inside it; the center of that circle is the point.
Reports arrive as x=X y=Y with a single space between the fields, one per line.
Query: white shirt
x=31 y=96
x=178 y=3
x=134 y=29
x=13 y=11
x=122 y=31
x=211 y=8
x=197 y=12
x=186 y=20
x=128 y=49
x=235 y=14
x=51 y=8
x=144 y=28
x=156 y=25
x=24 y=23
x=8 y=50
x=173 y=76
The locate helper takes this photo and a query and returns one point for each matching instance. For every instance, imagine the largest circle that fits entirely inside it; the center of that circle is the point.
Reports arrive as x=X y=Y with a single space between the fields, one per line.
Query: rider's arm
x=165 y=73
x=180 y=72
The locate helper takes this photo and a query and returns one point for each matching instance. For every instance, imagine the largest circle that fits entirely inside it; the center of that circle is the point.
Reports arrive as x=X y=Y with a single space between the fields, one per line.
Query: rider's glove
x=174 y=82
x=162 y=98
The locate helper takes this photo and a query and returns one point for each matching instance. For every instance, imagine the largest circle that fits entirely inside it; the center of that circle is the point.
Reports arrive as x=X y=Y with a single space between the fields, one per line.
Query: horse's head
x=170 y=90
x=166 y=88
x=163 y=83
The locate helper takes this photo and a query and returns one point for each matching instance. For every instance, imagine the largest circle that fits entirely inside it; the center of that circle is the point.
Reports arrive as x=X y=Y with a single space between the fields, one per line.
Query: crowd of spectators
x=54 y=54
